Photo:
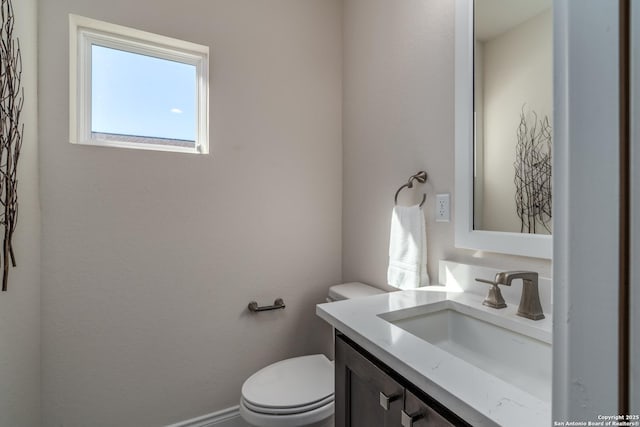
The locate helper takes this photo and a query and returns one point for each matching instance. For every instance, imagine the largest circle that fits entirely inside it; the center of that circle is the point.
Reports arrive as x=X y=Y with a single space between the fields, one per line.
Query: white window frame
x=85 y=32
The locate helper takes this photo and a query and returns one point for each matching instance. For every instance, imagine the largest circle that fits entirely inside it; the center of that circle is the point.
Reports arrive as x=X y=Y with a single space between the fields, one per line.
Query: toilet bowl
x=297 y=392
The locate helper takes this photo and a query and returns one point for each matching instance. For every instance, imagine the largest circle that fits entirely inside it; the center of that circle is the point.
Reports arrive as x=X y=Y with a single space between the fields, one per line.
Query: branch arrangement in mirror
x=533 y=173
x=11 y=131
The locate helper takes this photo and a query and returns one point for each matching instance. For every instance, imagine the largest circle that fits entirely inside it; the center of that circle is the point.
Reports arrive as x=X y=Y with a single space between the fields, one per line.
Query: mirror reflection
x=513 y=99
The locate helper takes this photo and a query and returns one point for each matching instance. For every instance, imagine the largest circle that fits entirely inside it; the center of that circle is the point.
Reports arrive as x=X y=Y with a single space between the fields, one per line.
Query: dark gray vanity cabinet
x=365 y=396
x=370 y=394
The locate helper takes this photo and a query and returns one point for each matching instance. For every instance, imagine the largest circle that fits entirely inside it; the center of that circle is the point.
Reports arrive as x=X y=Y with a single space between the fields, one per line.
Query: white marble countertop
x=475 y=395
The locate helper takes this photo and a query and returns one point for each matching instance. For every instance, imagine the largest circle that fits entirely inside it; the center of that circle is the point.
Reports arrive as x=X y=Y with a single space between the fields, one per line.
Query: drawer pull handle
x=407 y=420
x=386 y=400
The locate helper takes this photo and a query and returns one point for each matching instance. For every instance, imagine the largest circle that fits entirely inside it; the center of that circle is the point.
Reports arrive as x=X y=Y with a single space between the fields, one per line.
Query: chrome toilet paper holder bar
x=277 y=305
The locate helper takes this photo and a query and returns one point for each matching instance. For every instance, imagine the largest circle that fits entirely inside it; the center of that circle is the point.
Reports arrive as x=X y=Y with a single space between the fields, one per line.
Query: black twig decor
x=11 y=131
x=533 y=173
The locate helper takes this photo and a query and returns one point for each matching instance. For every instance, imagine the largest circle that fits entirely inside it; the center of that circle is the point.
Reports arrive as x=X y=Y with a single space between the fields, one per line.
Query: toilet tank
x=351 y=290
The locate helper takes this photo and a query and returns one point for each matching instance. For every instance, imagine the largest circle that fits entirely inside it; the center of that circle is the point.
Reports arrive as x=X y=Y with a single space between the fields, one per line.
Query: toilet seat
x=292 y=392
x=289 y=410
x=319 y=416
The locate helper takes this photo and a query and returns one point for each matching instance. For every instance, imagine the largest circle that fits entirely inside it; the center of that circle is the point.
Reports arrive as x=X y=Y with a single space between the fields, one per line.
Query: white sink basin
x=511 y=349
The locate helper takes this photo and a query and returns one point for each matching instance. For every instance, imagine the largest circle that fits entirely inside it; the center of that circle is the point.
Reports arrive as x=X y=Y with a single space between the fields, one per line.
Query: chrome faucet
x=529 y=301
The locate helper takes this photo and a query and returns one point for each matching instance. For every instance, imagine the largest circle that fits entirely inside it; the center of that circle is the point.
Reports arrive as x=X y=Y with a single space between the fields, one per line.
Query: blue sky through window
x=140 y=95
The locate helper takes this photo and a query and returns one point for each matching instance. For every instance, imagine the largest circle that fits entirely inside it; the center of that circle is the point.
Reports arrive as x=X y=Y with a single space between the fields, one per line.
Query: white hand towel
x=407 y=249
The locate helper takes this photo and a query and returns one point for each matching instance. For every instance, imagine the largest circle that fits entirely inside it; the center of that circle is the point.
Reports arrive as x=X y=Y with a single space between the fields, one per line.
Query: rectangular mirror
x=504 y=98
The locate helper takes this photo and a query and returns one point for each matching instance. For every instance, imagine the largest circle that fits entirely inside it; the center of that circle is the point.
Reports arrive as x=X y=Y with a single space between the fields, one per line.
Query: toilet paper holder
x=277 y=305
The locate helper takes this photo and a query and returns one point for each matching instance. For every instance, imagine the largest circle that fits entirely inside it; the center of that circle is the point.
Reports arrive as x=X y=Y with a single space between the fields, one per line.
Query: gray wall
x=398 y=119
x=20 y=305
x=150 y=258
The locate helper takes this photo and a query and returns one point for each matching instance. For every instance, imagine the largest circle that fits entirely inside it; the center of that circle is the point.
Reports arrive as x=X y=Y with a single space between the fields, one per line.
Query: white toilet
x=296 y=392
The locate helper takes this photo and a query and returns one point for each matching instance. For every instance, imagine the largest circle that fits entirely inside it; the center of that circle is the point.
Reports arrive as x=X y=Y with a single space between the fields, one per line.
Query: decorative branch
x=11 y=131
x=533 y=173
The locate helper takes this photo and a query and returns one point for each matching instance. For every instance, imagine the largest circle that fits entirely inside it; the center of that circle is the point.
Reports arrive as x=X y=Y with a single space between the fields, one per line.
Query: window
x=133 y=89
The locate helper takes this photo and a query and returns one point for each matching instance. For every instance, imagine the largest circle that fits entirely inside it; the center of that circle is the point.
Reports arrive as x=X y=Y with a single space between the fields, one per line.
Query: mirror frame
x=523 y=244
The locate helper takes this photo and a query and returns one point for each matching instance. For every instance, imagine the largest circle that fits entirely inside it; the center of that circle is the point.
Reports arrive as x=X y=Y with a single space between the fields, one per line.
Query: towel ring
x=421 y=177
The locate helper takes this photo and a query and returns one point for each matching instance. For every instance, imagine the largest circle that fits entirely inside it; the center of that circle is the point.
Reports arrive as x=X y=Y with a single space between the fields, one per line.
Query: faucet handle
x=494 y=297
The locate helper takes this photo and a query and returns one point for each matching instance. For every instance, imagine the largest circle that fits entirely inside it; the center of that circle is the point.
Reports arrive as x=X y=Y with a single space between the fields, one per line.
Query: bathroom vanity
x=437 y=356
x=371 y=394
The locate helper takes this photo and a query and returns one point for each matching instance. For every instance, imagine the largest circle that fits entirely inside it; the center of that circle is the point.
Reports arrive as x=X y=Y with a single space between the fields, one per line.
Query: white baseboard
x=229 y=417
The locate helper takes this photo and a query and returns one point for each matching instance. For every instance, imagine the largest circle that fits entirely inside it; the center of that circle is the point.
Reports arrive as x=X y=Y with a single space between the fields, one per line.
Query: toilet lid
x=298 y=382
